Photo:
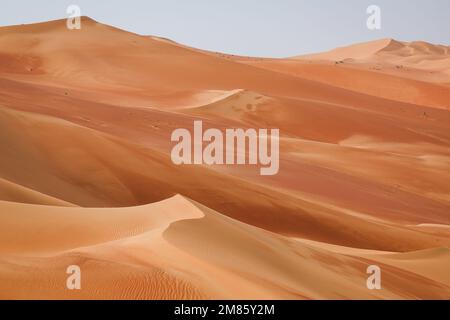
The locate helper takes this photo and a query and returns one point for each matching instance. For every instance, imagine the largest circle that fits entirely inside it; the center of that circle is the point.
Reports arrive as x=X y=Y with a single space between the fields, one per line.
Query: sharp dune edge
x=86 y=177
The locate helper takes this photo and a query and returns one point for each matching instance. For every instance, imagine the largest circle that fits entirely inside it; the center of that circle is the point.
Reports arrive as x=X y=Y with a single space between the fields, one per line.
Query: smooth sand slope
x=180 y=249
x=86 y=176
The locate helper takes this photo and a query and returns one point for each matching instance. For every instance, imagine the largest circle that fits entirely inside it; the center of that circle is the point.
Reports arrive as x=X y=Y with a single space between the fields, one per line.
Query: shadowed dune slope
x=178 y=249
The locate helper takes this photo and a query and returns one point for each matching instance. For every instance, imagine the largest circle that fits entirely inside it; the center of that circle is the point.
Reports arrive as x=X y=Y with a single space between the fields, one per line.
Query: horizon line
x=215 y=51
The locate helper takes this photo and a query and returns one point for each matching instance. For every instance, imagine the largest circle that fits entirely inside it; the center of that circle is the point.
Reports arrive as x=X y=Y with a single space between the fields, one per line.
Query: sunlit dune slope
x=179 y=249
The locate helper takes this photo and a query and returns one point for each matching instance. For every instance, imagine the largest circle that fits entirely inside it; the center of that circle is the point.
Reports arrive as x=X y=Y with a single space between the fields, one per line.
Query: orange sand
x=86 y=176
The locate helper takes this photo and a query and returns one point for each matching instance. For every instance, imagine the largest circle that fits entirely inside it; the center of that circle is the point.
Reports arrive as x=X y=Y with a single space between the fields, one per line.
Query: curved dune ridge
x=180 y=249
x=86 y=176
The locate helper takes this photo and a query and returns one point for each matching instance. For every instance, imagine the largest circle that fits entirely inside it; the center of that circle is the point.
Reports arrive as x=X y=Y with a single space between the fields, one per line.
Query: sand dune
x=180 y=249
x=417 y=54
x=415 y=73
x=13 y=192
x=357 y=51
x=86 y=176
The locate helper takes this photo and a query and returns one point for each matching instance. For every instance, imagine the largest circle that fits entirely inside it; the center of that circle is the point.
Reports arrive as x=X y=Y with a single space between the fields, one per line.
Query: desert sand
x=86 y=176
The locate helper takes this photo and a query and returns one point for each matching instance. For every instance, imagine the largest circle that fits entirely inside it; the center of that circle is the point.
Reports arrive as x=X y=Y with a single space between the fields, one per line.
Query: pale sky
x=267 y=28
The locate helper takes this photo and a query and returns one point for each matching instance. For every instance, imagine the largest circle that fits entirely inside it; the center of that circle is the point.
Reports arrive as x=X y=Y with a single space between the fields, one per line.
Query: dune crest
x=416 y=73
x=185 y=248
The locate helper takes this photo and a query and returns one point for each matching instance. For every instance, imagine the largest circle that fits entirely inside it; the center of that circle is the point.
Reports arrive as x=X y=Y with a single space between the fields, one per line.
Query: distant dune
x=86 y=177
x=415 y=73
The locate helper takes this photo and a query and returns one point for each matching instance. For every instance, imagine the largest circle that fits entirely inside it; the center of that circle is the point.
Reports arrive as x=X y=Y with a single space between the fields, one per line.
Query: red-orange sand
x=86 y=177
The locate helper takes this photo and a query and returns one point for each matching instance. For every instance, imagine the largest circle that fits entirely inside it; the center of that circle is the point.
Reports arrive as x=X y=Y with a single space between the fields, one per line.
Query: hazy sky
x=276 y=28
